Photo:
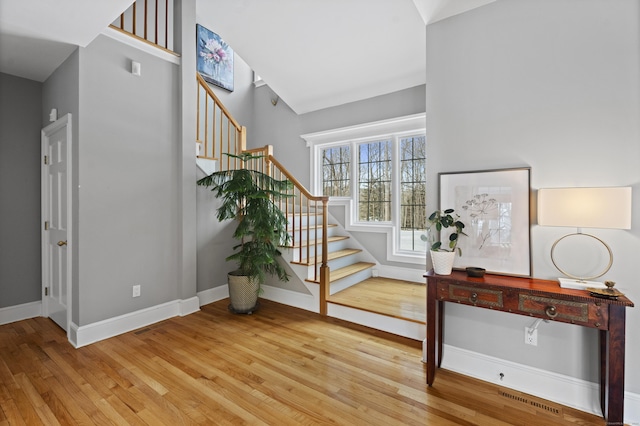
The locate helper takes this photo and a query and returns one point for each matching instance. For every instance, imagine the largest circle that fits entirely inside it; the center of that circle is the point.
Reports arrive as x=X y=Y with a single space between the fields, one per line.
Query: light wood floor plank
x=279 y=366
x=394 y=298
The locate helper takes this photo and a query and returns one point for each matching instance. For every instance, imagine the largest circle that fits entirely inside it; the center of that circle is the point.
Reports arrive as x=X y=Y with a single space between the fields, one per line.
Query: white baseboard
x=189 y=306
x=407 y=274
x=213 y=294
x=280 y=295
x=409 y=329
x=565 y=390
x=632 y=408
x=20 y=312
x=91 y=333
x=292 y=298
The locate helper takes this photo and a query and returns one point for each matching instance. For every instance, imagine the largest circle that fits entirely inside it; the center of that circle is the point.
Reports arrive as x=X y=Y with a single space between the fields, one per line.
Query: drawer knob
x=473 y=298
x=551 y=311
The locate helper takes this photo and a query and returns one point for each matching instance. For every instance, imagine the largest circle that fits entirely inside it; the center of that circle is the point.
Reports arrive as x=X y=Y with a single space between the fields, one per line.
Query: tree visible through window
x=336 y=169
x=413 y=191
x=374 y=181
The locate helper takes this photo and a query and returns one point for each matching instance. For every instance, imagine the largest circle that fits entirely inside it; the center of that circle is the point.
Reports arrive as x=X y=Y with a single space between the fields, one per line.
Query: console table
x=538 y=299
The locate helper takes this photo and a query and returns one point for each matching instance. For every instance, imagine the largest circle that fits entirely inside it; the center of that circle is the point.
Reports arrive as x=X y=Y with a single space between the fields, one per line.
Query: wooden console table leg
x=440 y=339
x=612 y=347
x=603 y=337
x=431 y=332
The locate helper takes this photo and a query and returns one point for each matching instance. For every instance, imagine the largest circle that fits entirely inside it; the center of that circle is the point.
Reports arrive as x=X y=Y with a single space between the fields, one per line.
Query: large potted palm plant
x=249 y=197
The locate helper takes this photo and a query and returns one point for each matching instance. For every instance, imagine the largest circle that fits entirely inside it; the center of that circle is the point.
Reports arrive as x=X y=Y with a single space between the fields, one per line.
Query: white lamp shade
x=585 y=207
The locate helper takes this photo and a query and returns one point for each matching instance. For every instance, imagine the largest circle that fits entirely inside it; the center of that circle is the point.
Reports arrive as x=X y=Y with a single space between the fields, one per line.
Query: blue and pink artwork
x=214 y=58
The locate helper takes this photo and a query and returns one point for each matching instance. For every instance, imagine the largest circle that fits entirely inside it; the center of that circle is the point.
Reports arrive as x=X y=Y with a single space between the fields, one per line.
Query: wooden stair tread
x=313 y=242
x=400 y=299
x=331 y=256
x=341 y=273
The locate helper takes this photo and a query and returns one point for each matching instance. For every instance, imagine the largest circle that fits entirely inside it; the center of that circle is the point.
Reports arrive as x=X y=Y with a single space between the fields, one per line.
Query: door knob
x=62 y=243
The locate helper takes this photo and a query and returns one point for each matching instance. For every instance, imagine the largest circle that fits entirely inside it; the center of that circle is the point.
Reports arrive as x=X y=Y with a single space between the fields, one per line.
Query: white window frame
x=393 y=129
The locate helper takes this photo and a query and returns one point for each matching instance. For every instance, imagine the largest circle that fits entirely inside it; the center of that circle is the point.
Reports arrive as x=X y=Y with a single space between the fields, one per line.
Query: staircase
x=321 y=253
x=347 y=264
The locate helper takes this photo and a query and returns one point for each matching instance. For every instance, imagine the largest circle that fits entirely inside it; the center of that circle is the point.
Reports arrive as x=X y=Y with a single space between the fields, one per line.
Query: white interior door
x=56 y=215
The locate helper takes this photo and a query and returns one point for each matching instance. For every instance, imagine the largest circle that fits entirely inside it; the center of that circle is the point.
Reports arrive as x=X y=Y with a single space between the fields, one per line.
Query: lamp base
x=580 y=284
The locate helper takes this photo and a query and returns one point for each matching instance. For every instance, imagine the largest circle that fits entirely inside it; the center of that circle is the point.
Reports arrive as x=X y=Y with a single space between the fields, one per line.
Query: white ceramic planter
x=442 y=261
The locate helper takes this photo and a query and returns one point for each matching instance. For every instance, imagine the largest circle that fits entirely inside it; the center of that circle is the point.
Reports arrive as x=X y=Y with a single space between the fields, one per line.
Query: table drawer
x=471 y=295
x=574 y=312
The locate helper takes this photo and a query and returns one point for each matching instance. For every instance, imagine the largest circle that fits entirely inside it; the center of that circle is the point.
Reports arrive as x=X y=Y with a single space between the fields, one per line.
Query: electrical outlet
x=136 y=291
x=531 y=336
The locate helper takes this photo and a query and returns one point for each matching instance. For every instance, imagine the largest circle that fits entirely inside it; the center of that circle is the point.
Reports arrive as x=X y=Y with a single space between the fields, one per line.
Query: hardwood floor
x=279 y=366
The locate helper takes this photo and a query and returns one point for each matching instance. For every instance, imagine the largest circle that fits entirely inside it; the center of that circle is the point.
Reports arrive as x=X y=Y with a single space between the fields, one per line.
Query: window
x=336 y=171
x=374 y=181
x=378 y=172
x=413 y=193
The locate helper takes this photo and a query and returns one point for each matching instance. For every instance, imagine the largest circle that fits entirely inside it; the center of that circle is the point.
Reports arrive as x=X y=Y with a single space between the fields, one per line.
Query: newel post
x=324 y=267
x=242 y=141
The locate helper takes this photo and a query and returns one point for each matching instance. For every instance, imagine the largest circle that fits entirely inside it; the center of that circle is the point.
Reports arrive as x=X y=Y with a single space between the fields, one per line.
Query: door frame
x=65 y=121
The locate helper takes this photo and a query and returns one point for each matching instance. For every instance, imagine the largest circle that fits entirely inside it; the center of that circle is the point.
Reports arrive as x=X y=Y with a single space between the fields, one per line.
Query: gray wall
x=553 y=85
x=20 y=228
x=128 y=201
x=61 y=91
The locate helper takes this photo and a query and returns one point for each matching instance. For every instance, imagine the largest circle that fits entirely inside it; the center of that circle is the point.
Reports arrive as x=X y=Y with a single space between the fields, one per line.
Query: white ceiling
x=36 y=36
x=318 y=54
x=313 y=54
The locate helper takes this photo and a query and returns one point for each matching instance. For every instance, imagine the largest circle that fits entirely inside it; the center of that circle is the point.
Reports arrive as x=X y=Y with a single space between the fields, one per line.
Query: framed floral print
x=494 y=205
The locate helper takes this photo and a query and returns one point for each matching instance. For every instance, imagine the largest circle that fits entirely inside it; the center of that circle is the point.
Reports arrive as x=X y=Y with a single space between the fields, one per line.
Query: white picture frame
x=494 y=205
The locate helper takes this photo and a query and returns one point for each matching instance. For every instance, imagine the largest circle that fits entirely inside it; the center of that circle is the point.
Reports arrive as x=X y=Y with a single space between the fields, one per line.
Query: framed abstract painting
x=214 y=58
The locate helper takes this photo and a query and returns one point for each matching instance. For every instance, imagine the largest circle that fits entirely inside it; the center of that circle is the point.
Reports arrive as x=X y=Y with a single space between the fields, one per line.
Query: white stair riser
x=335 y=264
x=347 y=282
x=334 y=246
x=341 y=262
x=311 y=234
x=304 y=220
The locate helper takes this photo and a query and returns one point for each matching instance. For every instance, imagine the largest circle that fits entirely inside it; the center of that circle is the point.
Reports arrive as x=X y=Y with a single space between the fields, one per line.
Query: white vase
x=442 y=261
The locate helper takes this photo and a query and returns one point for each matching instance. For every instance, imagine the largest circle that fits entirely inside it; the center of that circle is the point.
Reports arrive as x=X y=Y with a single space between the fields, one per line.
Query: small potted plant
x=443 y=255
x=250 y=197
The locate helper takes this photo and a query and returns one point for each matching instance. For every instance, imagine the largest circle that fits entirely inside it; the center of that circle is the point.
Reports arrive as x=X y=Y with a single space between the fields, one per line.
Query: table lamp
x=584 y=208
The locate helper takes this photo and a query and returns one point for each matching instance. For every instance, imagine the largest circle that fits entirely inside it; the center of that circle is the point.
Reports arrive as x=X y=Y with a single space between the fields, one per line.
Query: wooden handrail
x=212 y=118
x=150 y=43
x=210 y=92
x=297 y=183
